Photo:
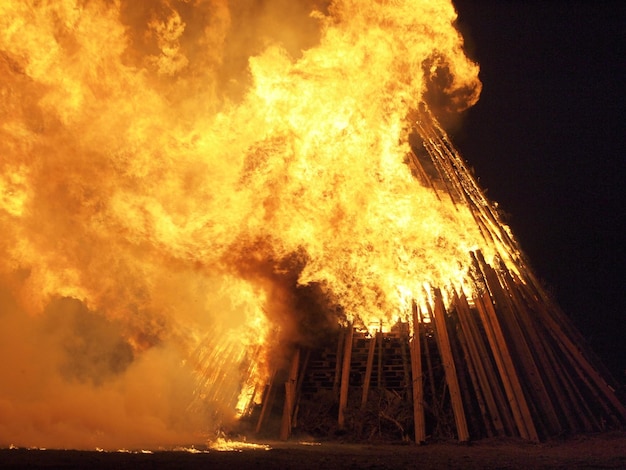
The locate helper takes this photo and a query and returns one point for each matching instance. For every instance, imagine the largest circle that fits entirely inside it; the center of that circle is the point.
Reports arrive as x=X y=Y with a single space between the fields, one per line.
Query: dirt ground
x=606 y=451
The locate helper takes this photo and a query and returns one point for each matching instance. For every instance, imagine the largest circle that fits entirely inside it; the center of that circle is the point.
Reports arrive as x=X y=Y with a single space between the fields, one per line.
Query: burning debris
x=192 y=197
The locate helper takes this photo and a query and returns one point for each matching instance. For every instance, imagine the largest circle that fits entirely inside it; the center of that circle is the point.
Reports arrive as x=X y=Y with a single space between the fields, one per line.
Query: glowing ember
x=226 y=445
x=185 y=183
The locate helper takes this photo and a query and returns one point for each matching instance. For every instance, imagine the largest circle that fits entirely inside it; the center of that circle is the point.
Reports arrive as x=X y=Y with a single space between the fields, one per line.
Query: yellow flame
x=149 y=174
x=227 y=445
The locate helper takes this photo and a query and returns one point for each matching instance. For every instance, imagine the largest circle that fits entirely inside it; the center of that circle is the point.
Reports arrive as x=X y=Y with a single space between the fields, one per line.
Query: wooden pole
x=596 y=384
x=380 y=336
x=560 y=398
x=418 y=383
x=492 y=381
x=290 y=396
x=581 y=411
x=301 y=377
x=449 y=368
x=540 y=374
x=268 y=401
x=406 y=360
x=345 y=377
x=575 y=407
x=473 y=373
x=593 y=381
x=538 y=397
x=338 y=362
x=368 y=369
x=508 y=374
x=489 y=408
x=465 y=370
x=414 y=163
x=429 y=365
x=502 y=354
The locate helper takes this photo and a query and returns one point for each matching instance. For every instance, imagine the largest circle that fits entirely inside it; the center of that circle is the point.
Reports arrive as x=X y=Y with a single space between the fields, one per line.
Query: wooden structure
x=504 y=361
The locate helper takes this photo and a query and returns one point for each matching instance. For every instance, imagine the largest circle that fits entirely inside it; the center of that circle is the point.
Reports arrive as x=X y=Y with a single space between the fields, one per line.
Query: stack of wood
x=510 y=361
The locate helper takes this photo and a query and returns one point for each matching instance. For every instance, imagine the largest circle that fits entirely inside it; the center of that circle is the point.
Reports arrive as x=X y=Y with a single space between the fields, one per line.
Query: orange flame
x=184 y=169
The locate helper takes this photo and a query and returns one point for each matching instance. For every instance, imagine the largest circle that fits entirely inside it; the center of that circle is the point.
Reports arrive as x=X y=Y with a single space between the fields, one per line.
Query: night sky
x=548 y=142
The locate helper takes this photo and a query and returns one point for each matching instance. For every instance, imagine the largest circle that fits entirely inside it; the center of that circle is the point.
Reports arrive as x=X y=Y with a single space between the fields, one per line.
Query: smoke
x=69 y=380
x=306 y=313
x=185 y=185
x=92 y=348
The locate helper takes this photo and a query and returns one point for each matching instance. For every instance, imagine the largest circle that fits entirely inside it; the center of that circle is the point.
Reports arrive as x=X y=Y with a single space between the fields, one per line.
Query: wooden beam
x=508 y=374
x=380 y=337
x=420 y=173
x=268 y=401
x=301 y=376
x=597 y=385
x=406 y=359
x=429 y=365
x=484 y=373
x=545 y=416
x=417 y=380
x=574 y=406
x=449 y=368
x=472 y=369
x=290 y=396
x=345 y=377
x=556 y=392
x=368 y=369
x=338 y=362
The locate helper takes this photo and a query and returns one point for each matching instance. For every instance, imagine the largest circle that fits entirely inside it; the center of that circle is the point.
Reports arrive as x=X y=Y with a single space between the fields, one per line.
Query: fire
x=187 y=171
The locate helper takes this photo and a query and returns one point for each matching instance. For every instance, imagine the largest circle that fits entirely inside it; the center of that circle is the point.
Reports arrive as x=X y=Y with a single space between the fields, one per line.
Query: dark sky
x=548 y=142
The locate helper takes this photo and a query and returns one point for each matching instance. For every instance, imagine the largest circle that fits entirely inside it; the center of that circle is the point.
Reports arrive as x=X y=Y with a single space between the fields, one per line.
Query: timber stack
x=501 y=361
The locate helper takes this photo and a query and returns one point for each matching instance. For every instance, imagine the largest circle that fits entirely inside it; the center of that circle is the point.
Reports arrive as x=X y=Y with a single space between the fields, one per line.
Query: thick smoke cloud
x=93 y=348
x=69 y=380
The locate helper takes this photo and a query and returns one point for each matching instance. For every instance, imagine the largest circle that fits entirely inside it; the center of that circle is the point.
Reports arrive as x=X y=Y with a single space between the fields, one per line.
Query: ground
x=607 y=451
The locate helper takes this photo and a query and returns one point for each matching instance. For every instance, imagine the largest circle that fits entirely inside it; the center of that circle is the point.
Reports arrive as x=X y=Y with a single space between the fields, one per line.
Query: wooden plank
x=489 y=408
x=415 y=163
x=538 y=397
x=560 y=396
x=345 y=377
x=338 y=362
x=406 y=360
x=502 y=356
x=597 y=385
x=581 y=413
x=563 y=342
x=604 y=395
x=472 y=367
x=301 y=376
x=268 y=401
x=368 y=370
x=429 y=365
x=499 y=408
x=465 y=367
x=417 y=381
x=380 y=337
x=449 y=368
x=575 y=407
x=290 y=396
x=508 y=374
x=503 y=374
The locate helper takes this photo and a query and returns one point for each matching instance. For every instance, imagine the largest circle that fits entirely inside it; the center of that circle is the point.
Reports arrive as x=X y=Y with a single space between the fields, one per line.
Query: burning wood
x=204 y=193
x=518 y=354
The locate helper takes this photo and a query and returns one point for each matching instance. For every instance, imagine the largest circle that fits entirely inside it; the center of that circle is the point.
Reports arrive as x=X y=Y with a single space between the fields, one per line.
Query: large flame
x=186 y=183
